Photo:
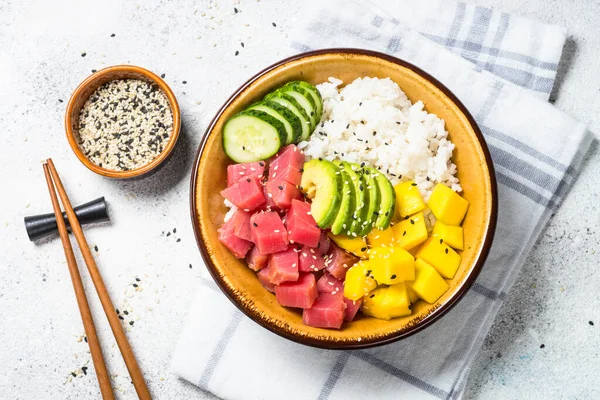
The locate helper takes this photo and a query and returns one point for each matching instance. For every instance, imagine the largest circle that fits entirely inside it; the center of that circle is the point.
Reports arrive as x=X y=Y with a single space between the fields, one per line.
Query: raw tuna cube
x=352 y=307
x=241 y=223
x=324 y=243
x=338 y=261
x=283 y=266
x=255 y=260
x=235 y=172
x=327 y=311
x=246 y=194
x=301 y=226
x=289 y=156
x=238 y=247
x=329 y=284
x=263 y=277
x=282 y=193
x=268 y=232
x=269 y=204
x=301 y=293
x=287 y=174
x=302 y=209
x=310 y=260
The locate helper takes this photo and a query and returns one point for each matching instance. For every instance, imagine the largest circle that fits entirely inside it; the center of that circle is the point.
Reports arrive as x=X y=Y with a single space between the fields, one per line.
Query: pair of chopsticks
x=53 y=179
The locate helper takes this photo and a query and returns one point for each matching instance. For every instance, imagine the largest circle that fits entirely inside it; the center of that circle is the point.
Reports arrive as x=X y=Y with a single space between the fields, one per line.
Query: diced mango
x=387 y=302
x=411 y=232
x=412 y=296
x=391 y=265
x=428 y=284
x=447 y=206
x=356 y=245
x=408 y=199
x=359 y=281
x=378 y=238
x=451 y=235
x=441 y=257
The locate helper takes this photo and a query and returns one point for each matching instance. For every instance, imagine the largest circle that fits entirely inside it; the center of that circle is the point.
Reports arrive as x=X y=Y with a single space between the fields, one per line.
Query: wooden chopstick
x=84 y=308
x=132 y=366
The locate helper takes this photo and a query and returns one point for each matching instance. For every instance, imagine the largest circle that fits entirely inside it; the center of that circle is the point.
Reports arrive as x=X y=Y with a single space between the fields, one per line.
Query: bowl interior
x=241 y=284
x=93 y=82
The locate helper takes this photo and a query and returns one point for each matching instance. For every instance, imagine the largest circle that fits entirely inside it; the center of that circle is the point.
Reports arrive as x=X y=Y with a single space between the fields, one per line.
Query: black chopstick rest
x=38 y=226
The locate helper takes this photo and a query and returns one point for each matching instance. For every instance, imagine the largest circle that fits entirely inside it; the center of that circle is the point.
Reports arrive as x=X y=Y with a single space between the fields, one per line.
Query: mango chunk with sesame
x=379 y=238
x=410 y=232
x=391 y=265
x=447 y=206
x=359 y=281
x=355 y=245
x=451 y=235
x=408 y=199
x=441 y=257
x=428 y=284
x=387 y=302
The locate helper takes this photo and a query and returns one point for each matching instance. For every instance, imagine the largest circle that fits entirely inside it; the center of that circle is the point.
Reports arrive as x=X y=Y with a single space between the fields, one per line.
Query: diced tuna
x=241 y=223
x=301 y=293
x=329 y=284
x=246 y=194
x=270 y=203
x=310 y=260
x=283 y=266
x=324 y=243
x=301 y=226
x=255 y=260
x=287 y=174
x=338 y=261
x=268 y=232
x=263 y=277
x=238 y=247
x=289 y=156
x=352 y=307
x=282 y=193
x=235 y=172
x=328 y=311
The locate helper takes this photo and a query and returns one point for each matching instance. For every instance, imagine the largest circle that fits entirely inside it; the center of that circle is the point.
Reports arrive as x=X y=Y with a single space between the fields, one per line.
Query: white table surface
x=41 y=46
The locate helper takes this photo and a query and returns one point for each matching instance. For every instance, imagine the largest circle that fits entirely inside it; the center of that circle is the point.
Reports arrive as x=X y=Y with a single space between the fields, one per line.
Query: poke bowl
x=343 y=199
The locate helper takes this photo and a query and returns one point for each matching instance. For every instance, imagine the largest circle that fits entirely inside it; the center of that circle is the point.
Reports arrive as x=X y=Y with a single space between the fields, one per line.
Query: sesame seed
x=446 y=251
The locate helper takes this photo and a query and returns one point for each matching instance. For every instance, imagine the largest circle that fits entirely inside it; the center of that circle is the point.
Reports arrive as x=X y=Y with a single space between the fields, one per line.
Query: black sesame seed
x=404 y=234
x=85 y=339
x=387 y=213
x=542 y=346
x=441 y=241
x=93 y=71
x=301 y=169
x=178 y=240
x=393 y=276
x=320 y=159
x=138 y=279
x=242 y=44
x=237 y=53
x=121 y=317
x=162 y=76
x=84 y=370
x=363 y=249
x=347 y=126
x=414 y=184
x=362 y=164
x=360 y=104
x=60 y=100
x=131 y=323
x=168 y=233
x=235 y=10
x=248 y=180
x=412 y=222
x=73 y=373
x=112 y=35
x=371 y=296
x=280 y=187
x=184 y=82
x=135 y=285
x=96 y=248
x=262 y=164
x=126 y=312
x=174 y=230
x=118 y=311
x=361 y=187
x=274 y=24
x=446 y=250
x=255 y=224
x=83 y=54
x=591 y=323
x=374 y=133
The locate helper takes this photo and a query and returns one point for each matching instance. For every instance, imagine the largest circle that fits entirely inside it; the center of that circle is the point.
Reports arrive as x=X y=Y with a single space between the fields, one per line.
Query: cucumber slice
x=373 y=201
x=388 y=200
x=274 y=110
x=291 y=104
x=306 y=101
x=252 y=135
x=314 y=92
x=360 y=203
x=343 y=219
x=322 y=183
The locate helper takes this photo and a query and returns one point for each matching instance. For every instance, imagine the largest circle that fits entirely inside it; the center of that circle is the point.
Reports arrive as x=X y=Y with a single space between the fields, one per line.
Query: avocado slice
x=359 y=213
x=387 y=200
x=343 y=219
x=373 y=201
x=322 y=183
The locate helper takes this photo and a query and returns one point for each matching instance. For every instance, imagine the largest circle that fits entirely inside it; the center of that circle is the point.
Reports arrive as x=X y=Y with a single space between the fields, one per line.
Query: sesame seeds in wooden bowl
x=122 y=121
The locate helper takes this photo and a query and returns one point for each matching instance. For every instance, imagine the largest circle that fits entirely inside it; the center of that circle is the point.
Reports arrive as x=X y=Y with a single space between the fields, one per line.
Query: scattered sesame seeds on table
x=125 y=124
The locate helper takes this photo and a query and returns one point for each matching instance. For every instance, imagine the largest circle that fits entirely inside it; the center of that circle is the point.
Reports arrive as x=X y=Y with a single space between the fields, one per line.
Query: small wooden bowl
x=93 y=82
x=475 y=171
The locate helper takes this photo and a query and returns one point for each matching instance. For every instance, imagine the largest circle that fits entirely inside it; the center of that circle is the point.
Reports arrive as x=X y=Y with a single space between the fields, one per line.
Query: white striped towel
x=503 y=69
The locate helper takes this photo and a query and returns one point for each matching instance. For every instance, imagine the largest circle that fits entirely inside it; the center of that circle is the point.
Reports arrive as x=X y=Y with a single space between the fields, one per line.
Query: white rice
x=372 y=121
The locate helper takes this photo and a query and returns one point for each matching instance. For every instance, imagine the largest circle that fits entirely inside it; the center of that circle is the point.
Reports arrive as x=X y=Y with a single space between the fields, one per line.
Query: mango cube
x=378 y=238
x=410 y=232
x=387 y=302
x=451 y=235
x=355 y=245
x=447 y=205
x=428 y=284
x=441 y=257
x=391 y=265
x=359 y=281
x=408 y=199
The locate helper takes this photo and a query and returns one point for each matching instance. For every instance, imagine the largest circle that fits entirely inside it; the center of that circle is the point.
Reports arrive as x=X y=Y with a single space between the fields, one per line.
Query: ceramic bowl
x=475 y=172
x=93 y=82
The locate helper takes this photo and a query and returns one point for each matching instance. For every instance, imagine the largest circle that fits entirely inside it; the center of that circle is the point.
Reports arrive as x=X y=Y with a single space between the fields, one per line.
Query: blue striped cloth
x=503 y=68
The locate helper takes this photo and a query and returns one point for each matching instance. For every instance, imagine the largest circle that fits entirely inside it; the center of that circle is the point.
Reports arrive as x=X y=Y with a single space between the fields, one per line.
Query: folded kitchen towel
x=502 y=68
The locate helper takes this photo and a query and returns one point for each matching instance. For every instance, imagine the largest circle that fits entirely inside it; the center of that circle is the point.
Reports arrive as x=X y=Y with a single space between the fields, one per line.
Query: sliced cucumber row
x=291 y=113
